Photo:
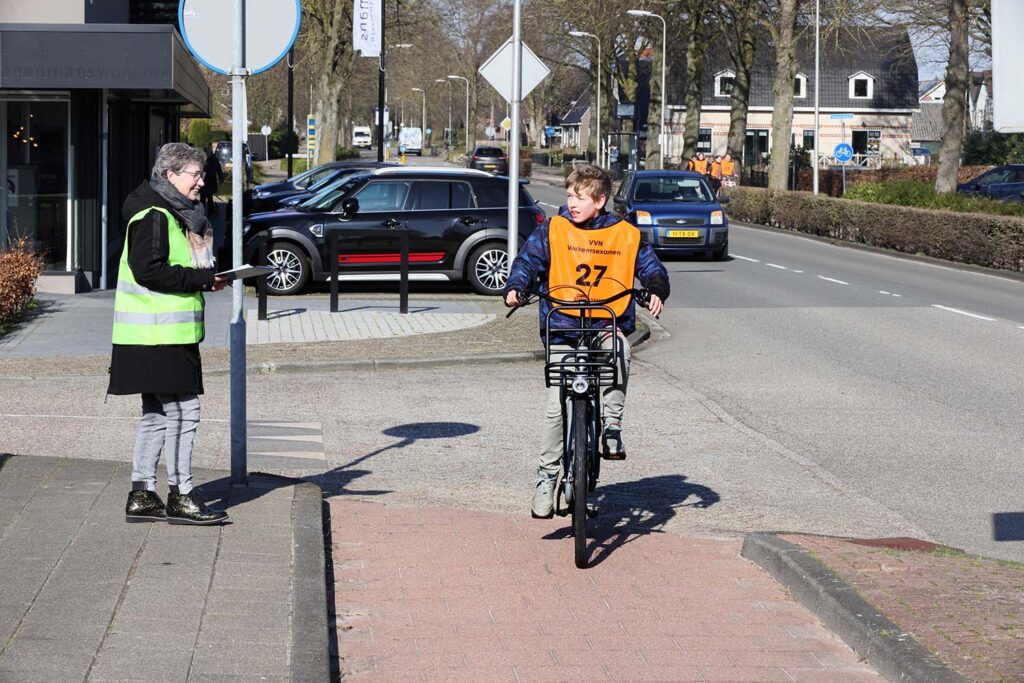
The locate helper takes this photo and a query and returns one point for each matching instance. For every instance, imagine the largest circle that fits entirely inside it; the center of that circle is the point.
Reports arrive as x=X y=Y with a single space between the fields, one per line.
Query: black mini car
x=456 y=218
x=268 y=196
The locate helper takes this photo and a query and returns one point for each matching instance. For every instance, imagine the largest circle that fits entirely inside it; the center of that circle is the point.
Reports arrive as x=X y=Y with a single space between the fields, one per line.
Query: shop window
x=704 y=140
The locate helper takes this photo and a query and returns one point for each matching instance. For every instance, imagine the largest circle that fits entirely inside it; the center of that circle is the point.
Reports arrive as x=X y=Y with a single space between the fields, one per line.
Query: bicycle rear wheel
x=580 y=460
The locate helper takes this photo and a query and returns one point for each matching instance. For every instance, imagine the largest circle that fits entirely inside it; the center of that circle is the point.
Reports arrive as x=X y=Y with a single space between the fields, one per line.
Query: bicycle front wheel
x=580 y=460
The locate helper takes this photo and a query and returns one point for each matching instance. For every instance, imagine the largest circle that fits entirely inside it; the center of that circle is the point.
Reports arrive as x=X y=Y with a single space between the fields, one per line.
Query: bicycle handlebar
x=642 y=297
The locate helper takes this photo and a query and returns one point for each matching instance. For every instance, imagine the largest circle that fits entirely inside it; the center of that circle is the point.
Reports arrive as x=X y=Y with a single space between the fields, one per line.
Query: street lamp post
x=664 y=100
x=817 y=101
x=466 y=81
x=423 y=118
x=581 y=34
x=384 y=102
x=445 y=80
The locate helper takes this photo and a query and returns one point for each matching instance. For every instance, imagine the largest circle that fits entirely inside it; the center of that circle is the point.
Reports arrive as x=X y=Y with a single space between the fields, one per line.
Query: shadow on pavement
x=631 y=510
x=1008 y=526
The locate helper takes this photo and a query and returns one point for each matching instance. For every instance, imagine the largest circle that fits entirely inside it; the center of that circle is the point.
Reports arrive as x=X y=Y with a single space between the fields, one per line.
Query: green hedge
x=979 y=239
x=922 y=194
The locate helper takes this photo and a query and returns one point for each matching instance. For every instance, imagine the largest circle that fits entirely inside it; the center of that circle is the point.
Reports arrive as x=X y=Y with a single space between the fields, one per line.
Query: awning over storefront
x=125 y=57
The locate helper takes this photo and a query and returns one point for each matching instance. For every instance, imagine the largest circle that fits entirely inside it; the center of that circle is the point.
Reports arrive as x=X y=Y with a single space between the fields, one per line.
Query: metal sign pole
x=513 y=147
x=238 y=416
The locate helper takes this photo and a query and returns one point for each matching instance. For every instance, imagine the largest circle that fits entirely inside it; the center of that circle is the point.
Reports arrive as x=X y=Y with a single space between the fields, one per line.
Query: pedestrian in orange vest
x=728 y=170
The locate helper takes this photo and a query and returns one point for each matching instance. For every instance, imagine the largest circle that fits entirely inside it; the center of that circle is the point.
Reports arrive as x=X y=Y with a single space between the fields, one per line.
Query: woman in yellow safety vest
x=166 y=264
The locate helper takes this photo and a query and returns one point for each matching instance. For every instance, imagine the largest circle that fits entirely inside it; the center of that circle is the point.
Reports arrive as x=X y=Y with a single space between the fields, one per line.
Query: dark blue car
x=677 y=212
x=1002 y=183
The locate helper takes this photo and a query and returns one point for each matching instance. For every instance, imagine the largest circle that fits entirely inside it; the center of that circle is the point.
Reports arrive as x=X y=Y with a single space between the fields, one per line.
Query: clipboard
x=246 y=271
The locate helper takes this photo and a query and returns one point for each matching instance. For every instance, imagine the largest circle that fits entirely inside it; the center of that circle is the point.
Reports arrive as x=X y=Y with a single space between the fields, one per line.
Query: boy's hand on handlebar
x=512 y=299
x=655 y=305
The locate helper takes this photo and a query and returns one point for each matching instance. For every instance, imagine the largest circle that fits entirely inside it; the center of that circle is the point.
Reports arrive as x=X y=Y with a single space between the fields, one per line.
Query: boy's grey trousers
x=169 y=423
x=613 y=400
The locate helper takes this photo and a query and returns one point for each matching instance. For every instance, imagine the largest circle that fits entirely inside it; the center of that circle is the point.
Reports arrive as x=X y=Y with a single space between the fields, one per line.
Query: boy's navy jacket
x=530 y=270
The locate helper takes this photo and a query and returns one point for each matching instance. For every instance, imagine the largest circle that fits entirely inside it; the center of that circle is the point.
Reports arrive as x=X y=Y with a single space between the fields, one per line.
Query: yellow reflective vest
x=143 y=317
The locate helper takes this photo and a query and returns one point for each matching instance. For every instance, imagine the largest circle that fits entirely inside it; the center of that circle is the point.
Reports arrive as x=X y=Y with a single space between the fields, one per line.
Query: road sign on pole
x=271 y=27
x=843 y=152
x=841 y=116
x=498 y=70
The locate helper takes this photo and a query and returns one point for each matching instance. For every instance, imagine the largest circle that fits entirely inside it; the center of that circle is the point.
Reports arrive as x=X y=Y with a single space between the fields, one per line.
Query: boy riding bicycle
x=585 y=253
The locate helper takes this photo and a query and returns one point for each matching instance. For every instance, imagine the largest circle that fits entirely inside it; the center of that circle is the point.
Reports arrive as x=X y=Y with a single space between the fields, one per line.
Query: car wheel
x=487 y=269
x=291 y=266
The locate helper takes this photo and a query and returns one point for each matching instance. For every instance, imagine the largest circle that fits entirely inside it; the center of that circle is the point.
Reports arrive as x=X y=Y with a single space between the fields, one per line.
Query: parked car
x=362 y=137
x=223 y=152
x=490 y=159
x=676 y=211
x=1003 y=183
x=269 y=196
x=411 y=140
x=456 y=219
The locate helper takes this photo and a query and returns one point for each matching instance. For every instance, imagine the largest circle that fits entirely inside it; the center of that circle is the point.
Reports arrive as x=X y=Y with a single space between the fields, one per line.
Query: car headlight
x=261 y=194
x=717 y=218
x=644 y=218
x=246 y=228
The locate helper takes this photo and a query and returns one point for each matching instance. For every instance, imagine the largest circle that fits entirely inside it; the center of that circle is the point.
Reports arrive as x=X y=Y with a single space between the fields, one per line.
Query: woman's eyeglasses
x=196 y=175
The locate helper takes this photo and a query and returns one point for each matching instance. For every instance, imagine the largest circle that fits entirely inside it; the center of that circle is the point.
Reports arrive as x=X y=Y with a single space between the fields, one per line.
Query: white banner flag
x=366 y=15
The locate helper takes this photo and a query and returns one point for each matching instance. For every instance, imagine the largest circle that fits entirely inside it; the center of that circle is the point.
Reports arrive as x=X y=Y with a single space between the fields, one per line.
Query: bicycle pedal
x=613 y=456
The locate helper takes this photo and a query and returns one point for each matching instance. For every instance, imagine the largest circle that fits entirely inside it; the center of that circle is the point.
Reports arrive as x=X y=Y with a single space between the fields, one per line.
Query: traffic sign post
x=843 y=153
x=513 y=70
x=310 y=140
x=266 y=130
x=262 y=32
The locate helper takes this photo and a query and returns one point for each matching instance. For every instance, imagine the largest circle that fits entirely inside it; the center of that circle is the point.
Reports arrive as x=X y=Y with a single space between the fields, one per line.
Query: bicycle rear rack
x=597 y=364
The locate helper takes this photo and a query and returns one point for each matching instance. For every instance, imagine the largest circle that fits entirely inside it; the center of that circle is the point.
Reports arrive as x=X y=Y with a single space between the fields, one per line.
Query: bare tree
x=738 y=26
x=781 y=26
x=954 y=105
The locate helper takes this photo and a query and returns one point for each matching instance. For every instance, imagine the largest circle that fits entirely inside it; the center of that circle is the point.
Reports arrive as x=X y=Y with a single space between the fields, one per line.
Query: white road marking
x=967 y=313
x=798 y=271
x=744 y=258
x=546 y=204
x=882 y=291
x=775 y=265
x=1020 y=327
x=897 y=295
x=832 y=279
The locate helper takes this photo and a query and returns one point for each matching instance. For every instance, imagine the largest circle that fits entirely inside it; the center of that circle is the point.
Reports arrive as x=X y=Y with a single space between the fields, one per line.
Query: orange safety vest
x=716 y=169
x=728 y=167
x=593 y=264
x=700 y=166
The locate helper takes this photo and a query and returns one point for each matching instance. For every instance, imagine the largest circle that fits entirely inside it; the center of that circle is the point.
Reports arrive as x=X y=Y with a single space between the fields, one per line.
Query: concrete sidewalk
x=85 y=596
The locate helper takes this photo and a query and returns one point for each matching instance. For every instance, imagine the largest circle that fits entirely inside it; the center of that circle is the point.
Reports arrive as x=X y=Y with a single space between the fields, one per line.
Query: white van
x=412 y=139
x=362 y=137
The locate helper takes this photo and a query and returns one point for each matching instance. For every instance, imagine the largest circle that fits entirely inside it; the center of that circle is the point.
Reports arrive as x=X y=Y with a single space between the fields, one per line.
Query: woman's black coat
x=166 y=369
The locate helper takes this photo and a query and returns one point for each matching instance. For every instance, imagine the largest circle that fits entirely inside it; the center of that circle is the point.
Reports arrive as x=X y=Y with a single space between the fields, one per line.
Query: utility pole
x=381 y=83
x=292 y=139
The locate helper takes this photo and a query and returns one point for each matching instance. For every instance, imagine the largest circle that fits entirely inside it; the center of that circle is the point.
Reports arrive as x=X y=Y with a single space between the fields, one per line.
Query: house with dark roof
x=868 y=73
x=576 y=123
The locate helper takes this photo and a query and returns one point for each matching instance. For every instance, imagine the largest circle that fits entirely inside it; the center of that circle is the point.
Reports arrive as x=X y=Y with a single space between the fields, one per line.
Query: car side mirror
x=350 y=206
x=724 y=200
x=619 y=202
x=977 y=186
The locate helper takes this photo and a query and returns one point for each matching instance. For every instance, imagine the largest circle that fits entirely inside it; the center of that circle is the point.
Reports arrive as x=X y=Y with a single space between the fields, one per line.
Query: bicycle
x=580 y=374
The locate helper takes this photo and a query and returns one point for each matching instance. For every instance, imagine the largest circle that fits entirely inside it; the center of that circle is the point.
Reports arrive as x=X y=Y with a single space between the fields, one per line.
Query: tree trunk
x=653 y=147
x=954 y=107
x=332 y=57
x=743 y=64
x=782 y=94
x=695 y=48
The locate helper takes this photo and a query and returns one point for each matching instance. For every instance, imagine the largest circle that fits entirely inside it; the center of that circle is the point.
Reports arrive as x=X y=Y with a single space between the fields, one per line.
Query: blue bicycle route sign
x=843 y=152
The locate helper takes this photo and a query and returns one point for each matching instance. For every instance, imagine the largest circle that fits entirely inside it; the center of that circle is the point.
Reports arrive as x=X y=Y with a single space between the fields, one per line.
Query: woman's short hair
x=176 y=156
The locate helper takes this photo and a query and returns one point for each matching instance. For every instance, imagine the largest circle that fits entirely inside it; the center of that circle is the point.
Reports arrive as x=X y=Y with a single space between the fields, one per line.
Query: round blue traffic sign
x=843 y=152
x=550 y=131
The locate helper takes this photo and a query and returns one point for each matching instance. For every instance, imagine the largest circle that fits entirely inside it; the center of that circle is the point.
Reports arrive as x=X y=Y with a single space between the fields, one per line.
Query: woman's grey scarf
x=200 y=232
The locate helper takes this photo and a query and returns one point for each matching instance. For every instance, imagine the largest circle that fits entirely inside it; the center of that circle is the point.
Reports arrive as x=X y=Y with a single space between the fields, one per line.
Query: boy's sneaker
x=611 y=443
x=544 y=499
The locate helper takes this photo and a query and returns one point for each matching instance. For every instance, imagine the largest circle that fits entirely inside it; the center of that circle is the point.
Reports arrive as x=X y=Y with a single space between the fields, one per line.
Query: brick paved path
x=968 y=610
x=430 y=594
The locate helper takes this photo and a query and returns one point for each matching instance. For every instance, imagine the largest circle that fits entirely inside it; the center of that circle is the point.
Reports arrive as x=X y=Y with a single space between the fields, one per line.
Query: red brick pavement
x=435 y=594
x=968 y=610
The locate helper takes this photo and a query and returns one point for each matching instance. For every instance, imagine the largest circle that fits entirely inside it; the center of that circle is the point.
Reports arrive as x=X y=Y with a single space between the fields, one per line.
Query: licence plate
x=490 y=166
x=684 y=233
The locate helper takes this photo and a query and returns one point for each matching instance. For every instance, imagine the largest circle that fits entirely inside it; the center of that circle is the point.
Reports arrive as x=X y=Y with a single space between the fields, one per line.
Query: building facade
x=868 y=78
x=89 y=91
